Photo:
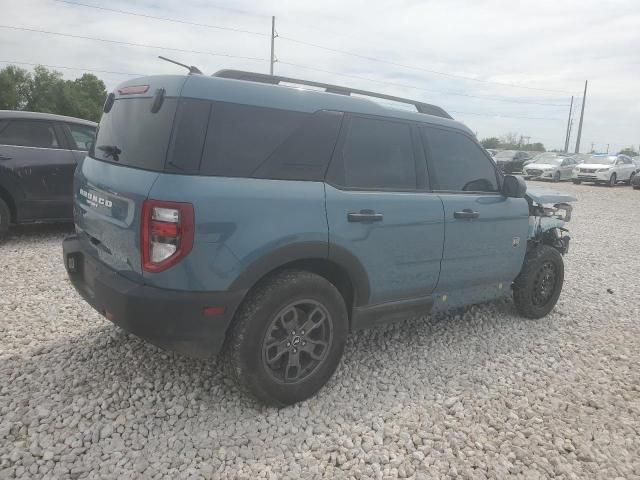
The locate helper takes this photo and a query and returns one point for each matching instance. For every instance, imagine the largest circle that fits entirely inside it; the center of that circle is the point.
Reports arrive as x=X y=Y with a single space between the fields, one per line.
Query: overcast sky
x=552 y=47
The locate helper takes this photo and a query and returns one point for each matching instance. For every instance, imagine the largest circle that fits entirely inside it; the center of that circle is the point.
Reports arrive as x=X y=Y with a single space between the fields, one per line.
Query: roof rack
x=275 y=80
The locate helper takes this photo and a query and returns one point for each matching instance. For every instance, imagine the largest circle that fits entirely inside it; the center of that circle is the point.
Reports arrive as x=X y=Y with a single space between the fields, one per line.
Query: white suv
x=609 y=169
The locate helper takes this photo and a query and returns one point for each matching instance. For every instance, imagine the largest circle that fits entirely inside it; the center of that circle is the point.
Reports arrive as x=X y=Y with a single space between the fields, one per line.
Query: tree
x=629 y=151
x=15 y=88
x=84 y=97
x=46 y=91
x=491 y=142
x=536 y=147
x=510 y=141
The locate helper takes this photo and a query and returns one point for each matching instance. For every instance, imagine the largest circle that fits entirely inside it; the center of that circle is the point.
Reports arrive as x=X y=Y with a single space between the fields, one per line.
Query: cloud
x=544 y=44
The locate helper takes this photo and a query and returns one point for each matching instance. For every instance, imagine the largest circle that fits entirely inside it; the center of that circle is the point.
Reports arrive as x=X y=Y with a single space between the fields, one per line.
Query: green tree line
x=46 y=91
x=511 y=141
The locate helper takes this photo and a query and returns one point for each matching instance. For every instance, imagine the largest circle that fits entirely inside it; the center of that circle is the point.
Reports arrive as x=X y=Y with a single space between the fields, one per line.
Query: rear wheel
x=288 y=337
x=5 y=219
x=613 y=179
x=537 y=288
x=631 y=178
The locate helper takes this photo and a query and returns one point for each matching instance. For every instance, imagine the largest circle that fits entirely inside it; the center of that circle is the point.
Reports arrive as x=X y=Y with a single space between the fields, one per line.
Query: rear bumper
x=171 y=319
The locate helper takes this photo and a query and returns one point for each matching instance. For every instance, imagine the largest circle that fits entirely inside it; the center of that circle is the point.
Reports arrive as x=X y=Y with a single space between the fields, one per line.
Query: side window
x=377 y=154
x=457 y=164
x=82 y=135
x=29 y=133
x=241 y=137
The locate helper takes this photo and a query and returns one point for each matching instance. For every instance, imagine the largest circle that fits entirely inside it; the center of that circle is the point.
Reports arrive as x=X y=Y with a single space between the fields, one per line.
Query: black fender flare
x=311 y=250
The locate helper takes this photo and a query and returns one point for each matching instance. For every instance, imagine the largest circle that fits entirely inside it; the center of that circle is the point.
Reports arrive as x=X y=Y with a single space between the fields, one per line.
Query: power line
x=403 y=85
x=164 y=19
x=434 y=72
x=132 y=44
x=12 y=62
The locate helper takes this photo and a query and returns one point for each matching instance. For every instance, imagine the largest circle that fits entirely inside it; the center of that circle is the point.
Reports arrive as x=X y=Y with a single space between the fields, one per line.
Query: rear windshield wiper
x=110 y=151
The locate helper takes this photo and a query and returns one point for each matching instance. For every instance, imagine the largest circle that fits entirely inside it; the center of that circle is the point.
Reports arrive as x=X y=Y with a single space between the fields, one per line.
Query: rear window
x=130 y=134
x=242 y=137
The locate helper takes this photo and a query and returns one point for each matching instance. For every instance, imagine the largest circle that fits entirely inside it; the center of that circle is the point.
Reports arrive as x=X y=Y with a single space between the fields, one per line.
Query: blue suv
x=242 y=214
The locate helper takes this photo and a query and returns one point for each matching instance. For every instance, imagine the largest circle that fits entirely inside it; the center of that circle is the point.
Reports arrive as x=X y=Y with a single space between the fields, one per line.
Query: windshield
x=597 y=160
x=548 y=159
x=505 y=155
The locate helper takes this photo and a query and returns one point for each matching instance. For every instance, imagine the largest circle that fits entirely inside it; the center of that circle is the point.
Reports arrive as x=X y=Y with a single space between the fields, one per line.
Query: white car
x=609 y=169
x=550 y=166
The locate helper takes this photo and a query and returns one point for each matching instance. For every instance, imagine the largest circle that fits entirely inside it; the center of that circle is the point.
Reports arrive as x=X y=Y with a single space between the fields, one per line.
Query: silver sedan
x=550 y=166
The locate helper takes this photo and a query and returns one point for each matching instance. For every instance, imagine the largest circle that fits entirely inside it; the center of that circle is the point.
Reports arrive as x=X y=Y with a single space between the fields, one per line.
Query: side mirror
x=513 y=186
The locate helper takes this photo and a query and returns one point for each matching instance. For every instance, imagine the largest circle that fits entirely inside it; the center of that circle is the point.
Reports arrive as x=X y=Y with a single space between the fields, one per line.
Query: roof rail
x=276 y=79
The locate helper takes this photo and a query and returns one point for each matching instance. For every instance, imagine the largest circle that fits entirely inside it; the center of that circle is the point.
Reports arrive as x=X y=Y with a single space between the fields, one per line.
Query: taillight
x=167 y=233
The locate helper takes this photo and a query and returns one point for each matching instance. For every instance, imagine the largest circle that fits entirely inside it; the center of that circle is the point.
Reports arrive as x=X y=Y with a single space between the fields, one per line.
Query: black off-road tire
x=244 y=354
x=576 y=181
x=536 y=263
x=5 y=219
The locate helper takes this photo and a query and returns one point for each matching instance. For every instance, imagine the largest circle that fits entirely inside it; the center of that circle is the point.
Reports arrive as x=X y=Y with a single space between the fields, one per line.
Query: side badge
x=515 y=242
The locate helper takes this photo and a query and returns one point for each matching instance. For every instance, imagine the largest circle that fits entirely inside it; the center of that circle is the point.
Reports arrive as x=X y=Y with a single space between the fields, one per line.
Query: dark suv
x=38 y=156
x=511 y=161
x=233 y=214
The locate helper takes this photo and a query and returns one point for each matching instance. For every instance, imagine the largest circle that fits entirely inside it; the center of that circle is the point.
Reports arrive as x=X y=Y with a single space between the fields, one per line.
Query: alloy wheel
x=297 y=341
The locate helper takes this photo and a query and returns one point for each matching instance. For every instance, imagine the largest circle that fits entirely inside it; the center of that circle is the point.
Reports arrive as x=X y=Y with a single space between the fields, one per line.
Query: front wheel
x=629 y=182
x=288 y=337
x=613 y=179
x=537 y=288
x=556 y=177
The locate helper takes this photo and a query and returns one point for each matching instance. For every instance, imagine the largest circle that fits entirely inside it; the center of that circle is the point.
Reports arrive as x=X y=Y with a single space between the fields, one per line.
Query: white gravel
x=484 y=394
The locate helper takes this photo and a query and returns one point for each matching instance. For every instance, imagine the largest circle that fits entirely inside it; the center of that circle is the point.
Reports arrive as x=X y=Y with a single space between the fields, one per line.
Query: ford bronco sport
x=233 y=214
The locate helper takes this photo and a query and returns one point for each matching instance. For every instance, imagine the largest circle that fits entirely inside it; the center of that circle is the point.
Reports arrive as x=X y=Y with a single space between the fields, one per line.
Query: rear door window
x=241 y=138
x=131 y=134
x=82 y=136
x=376 y=155
x=458 y=164
x=29 y=133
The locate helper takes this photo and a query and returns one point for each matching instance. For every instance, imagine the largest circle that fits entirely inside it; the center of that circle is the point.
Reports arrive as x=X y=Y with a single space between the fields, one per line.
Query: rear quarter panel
x=238 y=221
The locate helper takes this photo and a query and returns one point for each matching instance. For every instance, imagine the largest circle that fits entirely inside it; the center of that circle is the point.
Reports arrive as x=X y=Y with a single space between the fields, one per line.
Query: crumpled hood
x=546 y=195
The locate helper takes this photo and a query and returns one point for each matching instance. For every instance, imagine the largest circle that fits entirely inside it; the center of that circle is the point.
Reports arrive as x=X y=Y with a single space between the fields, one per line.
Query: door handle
x=365 y=216
x=466 y=214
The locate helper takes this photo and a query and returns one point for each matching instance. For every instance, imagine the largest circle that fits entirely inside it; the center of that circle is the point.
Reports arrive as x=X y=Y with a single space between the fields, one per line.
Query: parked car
x=38 y=155
x=492 y=151
x=267 y=222
x=511 y=161
x=609 y=169
x=550 y=166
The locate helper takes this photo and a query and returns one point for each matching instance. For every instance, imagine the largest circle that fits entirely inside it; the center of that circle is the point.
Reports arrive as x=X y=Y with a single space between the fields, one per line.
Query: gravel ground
x=481 y=394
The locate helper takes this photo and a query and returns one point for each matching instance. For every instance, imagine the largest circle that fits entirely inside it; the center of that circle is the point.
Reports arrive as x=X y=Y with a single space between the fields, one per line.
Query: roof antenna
x=192 y=70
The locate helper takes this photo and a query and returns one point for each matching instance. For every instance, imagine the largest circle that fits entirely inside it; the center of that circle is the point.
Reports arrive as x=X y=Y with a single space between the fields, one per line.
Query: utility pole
x=607 y=148
x=273 y=41
x=584 y=100
x=566 y=138
x=592 y=144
